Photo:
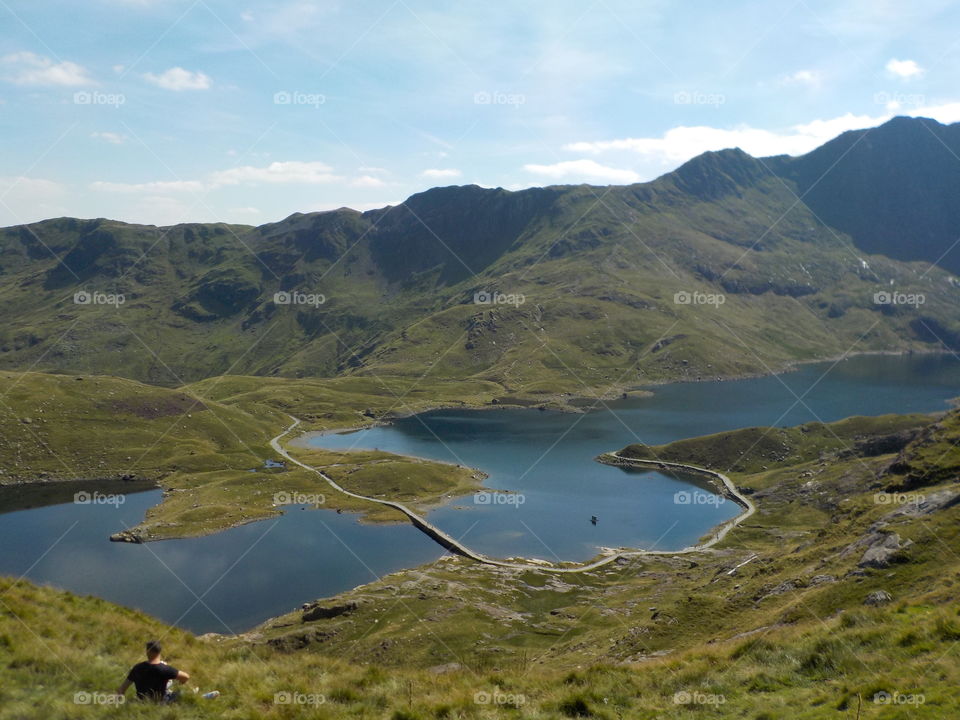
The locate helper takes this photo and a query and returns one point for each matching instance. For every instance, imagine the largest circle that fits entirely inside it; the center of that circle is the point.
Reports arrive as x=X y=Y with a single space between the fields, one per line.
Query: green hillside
x=837 y=598
x=62 y=434
x=581 y=289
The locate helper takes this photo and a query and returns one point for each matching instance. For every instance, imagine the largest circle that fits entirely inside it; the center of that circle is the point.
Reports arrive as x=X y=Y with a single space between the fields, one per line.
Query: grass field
x=205 y=446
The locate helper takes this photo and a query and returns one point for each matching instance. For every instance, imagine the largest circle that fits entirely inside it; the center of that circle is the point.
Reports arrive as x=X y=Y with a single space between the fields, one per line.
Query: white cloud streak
x=441 y=173
x=583 y=171
x=904 y=69
x=177 y=79
x=27 y=68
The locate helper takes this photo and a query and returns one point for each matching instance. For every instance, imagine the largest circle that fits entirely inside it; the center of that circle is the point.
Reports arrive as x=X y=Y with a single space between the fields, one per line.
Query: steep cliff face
x=457 y=231
x=893 y=188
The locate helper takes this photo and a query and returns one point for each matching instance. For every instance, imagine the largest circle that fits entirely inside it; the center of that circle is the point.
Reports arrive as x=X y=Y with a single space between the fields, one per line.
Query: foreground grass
x=60 y=652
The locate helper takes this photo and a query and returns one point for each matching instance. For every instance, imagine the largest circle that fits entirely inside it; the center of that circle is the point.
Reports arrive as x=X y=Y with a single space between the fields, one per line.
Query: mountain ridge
x=410 y=287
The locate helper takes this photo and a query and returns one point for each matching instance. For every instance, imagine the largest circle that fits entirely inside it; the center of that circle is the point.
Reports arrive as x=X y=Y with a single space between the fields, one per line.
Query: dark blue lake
x=223 y=583
x=546 y=458
x=247 y=574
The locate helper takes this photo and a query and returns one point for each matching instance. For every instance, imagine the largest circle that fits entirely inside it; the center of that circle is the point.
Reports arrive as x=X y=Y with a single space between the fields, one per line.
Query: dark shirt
x=151 y=679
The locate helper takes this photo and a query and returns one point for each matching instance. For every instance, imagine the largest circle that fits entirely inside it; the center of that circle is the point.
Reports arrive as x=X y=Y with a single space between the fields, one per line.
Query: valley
x=668 y=449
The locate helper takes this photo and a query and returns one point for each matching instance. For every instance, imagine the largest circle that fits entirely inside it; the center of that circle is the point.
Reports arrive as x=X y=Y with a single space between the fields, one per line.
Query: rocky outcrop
x=878 y=597
x=920 y=505
x=316 y=611
x=880 y=549
x=127 y=536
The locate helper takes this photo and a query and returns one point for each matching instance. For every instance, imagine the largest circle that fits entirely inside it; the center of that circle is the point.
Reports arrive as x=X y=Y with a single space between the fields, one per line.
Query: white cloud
x=110 y=137
x=684 y=142
x=293 y=171
x=176 y=78
x=946 y=113
x=367 y=181
x=25 y=199
x=148 y=187
x=654 y=155
x=27 y=68
x=583 y=171
x=34 y=186
x=904 y=69
x=441 y=174
x=809 y=78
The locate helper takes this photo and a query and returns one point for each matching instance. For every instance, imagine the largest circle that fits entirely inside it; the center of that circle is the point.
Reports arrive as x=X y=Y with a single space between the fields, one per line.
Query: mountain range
x=726 y=266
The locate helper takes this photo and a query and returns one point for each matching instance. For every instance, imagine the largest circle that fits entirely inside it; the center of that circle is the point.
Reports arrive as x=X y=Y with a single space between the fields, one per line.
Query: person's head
x=153 y=649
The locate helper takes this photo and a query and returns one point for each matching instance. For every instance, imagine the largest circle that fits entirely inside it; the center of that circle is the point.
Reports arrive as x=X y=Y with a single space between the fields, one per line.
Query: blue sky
x=165 y=111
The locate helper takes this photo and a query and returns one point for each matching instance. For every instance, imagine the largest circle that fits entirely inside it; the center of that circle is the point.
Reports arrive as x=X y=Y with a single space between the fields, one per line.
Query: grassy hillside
x=208 y=456
x=686 y=277
x=71 y=427
x=788 y=617
x=346 y=402
x=750 y=450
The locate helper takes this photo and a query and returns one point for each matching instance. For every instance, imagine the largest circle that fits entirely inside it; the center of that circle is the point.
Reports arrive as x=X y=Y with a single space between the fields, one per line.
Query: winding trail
x=453 y=545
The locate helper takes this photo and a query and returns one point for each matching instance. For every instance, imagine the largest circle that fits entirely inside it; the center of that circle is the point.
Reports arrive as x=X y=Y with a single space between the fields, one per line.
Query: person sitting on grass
x=153 y=677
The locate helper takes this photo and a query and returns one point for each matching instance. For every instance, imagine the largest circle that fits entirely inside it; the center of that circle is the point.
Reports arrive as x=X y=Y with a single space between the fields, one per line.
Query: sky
x=167 y=111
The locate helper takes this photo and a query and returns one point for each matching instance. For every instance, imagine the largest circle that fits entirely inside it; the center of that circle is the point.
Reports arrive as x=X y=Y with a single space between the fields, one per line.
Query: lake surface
x=223 y=583
x=245 y=575
x=546 y=458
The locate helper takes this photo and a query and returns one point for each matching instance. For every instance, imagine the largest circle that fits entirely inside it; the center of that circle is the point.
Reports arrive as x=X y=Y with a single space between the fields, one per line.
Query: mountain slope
x=689 y=276
x=893 y=188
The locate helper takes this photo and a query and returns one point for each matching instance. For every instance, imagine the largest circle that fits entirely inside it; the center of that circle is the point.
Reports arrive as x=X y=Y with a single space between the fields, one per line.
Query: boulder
x=882 y=550
x=878 y=597
x=126 y=536
x=316 y=611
